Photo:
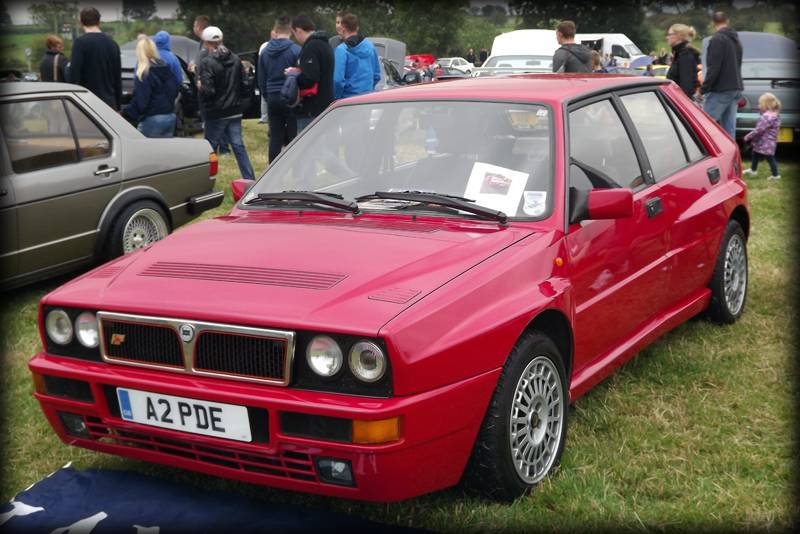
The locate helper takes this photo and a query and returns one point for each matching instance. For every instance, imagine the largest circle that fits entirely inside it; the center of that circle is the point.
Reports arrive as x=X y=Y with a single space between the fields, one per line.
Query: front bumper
x=438 y=429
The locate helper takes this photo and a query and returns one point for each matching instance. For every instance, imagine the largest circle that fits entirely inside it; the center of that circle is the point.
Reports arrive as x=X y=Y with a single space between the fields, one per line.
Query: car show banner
x=101 y=501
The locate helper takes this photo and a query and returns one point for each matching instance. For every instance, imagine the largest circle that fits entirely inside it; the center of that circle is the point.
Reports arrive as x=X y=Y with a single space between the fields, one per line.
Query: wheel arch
x=556 y=325
x=121 y=201
x=741 y=216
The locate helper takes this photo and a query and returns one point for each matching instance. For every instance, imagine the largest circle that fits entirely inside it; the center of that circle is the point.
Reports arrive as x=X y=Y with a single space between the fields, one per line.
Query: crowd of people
x=299 y=79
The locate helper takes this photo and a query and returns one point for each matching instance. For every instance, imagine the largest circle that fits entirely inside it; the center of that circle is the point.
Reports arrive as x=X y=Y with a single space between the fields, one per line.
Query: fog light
x=335 y=471
x=74 y=424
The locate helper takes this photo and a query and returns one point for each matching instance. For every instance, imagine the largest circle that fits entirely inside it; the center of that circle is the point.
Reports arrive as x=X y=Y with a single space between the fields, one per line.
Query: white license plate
x=216 y=419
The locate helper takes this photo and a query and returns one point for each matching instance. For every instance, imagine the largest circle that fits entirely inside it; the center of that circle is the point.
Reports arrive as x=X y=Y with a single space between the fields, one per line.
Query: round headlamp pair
x=61 y=330
x=366 y=359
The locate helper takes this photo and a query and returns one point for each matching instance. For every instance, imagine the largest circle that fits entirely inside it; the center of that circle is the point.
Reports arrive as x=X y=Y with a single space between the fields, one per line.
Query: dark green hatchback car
x=79 y=184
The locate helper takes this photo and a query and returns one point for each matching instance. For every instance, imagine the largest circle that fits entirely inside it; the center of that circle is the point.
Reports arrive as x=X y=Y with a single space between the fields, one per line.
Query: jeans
x=218 y=129
x=302 y=122
x=158 y=125
x=282 y=125
x=722 y=108
x=773 y=163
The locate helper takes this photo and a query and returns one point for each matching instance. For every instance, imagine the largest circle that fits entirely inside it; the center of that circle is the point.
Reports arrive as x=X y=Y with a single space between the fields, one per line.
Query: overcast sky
x=109 y=10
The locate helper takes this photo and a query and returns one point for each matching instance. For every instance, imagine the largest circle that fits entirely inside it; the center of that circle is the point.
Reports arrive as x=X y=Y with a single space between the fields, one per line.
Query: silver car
x=79 y=184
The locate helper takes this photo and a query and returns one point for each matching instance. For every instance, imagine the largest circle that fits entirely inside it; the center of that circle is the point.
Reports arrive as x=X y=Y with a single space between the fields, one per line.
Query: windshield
x=445 y=62
x=633 y=49
x=544 y=62
x=497 y=154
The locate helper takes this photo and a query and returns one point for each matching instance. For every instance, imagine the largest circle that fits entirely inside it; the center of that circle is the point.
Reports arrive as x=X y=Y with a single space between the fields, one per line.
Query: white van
x=520 y=51
x=616 y=45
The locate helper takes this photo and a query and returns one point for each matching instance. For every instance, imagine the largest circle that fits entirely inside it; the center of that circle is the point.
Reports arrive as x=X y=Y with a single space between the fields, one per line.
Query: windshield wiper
x=310 y=197
x=439 y=199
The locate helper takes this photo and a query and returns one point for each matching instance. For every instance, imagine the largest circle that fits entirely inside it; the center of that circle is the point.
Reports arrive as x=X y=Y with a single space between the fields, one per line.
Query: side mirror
x=597 y=204
x=239 y=188
x=411 y=77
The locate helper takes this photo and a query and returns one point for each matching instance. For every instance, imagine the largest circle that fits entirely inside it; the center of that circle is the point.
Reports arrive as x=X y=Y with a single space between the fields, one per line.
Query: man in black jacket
x=222 y=88
x=722 y=86
x=96 y=62
x=316 y=66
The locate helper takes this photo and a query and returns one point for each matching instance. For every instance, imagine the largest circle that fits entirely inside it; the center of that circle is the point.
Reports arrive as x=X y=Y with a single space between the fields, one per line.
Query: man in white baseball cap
x=221 y=88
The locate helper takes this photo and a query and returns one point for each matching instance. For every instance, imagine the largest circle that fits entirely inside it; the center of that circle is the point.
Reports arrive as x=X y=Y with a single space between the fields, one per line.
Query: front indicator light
x=373 y=432
x=367 y=361
x=59 y=327
x=87 y=330
x=38 y=384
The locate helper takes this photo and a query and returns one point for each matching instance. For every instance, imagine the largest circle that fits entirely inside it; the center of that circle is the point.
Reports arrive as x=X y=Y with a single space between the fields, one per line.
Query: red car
x=412 y=293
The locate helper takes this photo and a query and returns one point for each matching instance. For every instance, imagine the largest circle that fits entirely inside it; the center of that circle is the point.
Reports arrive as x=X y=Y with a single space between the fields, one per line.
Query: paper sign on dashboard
x=496 y=187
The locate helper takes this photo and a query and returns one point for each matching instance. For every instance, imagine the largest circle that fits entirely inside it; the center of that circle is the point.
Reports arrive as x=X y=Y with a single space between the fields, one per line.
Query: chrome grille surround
x=188 y=348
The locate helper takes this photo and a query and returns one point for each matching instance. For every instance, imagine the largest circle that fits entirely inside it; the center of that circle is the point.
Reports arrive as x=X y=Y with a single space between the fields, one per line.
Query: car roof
x=552 y=88
x=24 y=88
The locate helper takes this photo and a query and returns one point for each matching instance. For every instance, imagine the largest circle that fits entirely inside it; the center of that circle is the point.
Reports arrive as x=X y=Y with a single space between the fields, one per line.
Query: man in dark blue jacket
x=722 y=85
x=279 y=54
x=316 y=66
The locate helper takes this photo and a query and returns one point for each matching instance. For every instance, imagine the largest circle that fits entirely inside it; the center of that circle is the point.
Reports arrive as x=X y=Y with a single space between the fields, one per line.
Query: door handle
x=713 y=175
x=653 y=207
x=105 y=170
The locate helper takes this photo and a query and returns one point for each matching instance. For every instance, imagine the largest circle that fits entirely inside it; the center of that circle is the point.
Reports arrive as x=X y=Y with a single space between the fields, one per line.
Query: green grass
x=693 y=434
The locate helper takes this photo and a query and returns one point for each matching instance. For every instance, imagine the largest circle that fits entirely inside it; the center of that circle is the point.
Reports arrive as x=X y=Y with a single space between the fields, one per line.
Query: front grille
x=287 y=464
x=143 y=343
x=249 y=356
x=196 y=347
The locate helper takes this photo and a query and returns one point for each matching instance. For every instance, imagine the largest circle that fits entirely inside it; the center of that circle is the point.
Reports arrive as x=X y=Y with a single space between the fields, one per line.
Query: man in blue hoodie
x=161 y=39
x=356 y=66
x=279 y=54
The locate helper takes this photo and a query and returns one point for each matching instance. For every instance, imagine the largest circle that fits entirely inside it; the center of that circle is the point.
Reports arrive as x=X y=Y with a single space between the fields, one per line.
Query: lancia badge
x=186 y=332
x=117 y=339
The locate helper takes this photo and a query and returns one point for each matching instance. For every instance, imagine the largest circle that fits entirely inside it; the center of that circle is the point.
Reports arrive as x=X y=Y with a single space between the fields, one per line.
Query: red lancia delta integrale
x=412 y=294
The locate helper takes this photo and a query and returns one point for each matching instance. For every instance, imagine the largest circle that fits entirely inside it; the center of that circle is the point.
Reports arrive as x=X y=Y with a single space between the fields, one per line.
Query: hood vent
x=396 y=295
x=107 y=272
x=244 y=275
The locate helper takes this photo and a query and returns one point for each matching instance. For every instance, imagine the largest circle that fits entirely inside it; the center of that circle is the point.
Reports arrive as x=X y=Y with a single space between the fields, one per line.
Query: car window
x=693 y=149
x=544 y=62
x=37 y=134
x=660 y=140
x=92 y=141
x=601 y=153
x=617 y=50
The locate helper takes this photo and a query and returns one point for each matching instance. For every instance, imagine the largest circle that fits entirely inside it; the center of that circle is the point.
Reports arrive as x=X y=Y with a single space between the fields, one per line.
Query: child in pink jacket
x=764 y=136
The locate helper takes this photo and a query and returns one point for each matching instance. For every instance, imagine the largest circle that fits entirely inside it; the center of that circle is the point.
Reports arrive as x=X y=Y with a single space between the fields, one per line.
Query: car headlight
x=59 y=327
x=367 y=361
x=324 y=356
x=87 y=330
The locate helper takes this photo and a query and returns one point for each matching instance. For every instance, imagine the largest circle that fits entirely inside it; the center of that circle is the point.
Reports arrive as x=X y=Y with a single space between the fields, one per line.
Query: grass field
x=694 y=434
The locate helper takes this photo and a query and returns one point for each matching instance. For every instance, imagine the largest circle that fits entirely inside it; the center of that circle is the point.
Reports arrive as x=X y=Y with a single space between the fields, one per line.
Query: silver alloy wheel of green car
x=144 y=227
x=735 y=278
x=536 y=423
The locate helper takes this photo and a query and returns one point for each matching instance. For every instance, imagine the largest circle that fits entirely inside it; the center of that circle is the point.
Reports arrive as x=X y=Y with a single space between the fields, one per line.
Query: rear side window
x=37 y=134
x=661 y=143
x=92 y=142
x=601 y=153
x=693 y=150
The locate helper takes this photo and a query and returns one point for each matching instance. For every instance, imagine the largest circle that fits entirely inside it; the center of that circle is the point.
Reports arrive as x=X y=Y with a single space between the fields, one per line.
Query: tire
x=729 y=281
x=140 y=224
x=495 y=467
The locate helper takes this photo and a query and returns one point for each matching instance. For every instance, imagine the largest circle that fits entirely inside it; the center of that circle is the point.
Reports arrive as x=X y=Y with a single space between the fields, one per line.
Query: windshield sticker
x=535 y=203
x=496 y=187
x=541 y=113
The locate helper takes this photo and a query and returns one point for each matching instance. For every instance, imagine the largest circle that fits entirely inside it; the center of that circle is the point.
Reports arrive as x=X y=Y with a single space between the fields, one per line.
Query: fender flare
x=123 y=199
